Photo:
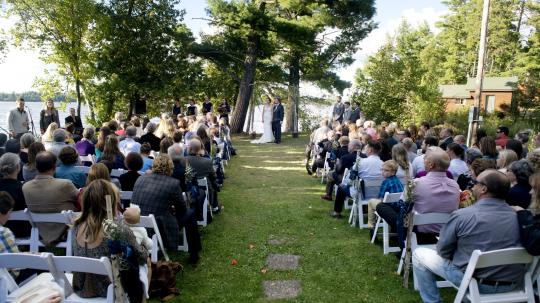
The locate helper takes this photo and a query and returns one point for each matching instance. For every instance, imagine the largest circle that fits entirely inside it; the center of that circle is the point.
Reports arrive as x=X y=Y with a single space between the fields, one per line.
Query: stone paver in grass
x=281 y=289
x=276 y=241
x=282 y=262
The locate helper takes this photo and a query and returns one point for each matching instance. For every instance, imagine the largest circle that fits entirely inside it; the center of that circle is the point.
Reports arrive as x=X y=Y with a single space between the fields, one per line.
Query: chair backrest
x=117 y=172
x=24 y=260
x=150 y=222
x=391 y=197
x=430 y=218
x=50 y=217
x=515 y=255
x=202 y=182
x=20 y=215
x=100 y=266
x=371 y=188
x=88 y=158
x=84 y=169
x=126 y=195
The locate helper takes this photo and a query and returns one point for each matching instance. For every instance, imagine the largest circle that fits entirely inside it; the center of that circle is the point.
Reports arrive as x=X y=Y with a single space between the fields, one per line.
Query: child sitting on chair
x=391 y=184
x=132 y=217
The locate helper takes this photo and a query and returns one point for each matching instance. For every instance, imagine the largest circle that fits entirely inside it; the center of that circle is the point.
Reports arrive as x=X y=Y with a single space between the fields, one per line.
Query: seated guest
x=10 y=164
x=68 y=167
x=534 y=158
x=176 y=152
x=464 y=179
x=446 y=137
x=434 y=193
x=14 y=146
x=466 y=198
x=7 y=237
x=346 y=162
x=505 y=158
x=59 y=142
x=112 y=153
x=369 y=168
x=489 y=224
x=47 y=138
x=159 y=194
x=326 y=146
x=129 y=145
x=528 y=219
x=29 y=169
x=134 y=163
x=418 y=163
x=457 y=165
x=85 y=146
x=489 y=148
x=147 y=160
x=502 y=136
x=516 y=146
x=518 y=173
x=391 y=184
x=400 y=156
x=410 y=146
x=462 y=141
x=104 y=132
x=91 y=241
x=150 y=137
x=203 y=167
x=164 y=144
x=26 y=140
x=45 y=194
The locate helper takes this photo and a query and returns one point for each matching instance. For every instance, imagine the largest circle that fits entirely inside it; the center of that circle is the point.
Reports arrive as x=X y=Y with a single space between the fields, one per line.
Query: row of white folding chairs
x=59 y=269
x=326 y=168
x=388 y=198
x=65 y=217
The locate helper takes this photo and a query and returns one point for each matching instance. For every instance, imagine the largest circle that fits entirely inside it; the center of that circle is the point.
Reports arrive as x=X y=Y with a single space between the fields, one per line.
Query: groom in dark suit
x=277 y=119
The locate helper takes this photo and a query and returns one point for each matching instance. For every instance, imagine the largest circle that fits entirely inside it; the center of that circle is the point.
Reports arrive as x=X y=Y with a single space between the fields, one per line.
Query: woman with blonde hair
x=91 y=241
x=401 y=157
x=505 y=158
x=47 y=137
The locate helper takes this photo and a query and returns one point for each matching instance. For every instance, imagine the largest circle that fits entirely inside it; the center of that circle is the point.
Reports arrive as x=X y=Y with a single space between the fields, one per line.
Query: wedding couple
x=272 y=118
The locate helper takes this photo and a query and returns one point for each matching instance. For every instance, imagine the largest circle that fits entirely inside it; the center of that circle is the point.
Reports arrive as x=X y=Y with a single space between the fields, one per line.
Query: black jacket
x=529 y=231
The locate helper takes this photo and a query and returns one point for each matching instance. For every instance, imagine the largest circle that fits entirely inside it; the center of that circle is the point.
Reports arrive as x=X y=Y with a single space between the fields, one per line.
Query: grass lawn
x=268 y=194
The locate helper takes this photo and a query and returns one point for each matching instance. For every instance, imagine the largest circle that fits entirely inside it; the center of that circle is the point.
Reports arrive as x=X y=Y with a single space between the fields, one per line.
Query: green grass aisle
x=268 y=194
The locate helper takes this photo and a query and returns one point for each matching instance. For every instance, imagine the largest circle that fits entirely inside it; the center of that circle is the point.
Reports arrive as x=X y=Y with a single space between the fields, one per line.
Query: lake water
x=36 y=107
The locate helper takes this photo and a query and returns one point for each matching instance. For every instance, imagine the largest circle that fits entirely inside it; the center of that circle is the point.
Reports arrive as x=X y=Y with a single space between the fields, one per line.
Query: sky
x=22 y=66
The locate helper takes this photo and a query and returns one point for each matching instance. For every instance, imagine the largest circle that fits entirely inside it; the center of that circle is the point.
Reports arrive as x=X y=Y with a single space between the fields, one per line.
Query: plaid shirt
x=7 y=241
x=392 y=185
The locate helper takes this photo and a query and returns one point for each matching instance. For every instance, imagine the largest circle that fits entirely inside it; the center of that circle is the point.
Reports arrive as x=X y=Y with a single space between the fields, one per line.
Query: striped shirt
x=7 y=241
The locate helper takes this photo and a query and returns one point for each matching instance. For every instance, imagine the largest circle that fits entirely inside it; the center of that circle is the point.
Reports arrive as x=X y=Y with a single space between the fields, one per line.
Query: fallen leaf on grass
x=251 y=246
x=234 y=262
x=264 y=270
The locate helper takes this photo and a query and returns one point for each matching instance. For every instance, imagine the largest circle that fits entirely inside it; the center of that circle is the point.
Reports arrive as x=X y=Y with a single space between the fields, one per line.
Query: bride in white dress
x=268 y=136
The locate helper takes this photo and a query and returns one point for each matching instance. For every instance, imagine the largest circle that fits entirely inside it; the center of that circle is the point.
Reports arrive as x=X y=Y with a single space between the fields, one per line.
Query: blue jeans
x=427 y=265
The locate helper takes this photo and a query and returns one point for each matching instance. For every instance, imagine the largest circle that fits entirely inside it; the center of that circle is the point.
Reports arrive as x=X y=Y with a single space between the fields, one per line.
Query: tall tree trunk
x=79 y=96
x=293 y=96
x=246 y=84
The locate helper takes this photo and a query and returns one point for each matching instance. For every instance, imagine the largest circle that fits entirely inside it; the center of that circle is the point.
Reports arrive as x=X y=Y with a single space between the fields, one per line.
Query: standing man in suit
x=277 y=119
x=338 y=110
x=75 y=120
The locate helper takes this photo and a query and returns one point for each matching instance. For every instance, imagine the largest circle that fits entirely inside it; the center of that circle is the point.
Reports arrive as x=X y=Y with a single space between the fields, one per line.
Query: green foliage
x=399 y=83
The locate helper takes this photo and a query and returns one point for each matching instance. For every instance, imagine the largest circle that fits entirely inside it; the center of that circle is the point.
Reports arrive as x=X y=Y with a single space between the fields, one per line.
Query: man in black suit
x=446 y=137
x=75 y=120
x=277 y=119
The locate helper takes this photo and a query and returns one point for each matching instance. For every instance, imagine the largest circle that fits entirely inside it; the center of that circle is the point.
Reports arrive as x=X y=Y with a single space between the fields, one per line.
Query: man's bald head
x=496 y=183
x=436 y=159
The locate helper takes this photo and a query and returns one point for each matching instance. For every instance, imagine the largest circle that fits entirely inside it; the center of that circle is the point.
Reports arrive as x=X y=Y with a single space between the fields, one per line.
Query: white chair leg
x=376 y=229
x=386 y=238
x=401 y=260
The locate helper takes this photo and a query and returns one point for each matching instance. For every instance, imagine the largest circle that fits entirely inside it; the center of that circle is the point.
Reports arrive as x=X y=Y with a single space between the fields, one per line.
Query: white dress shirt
x=129 y=145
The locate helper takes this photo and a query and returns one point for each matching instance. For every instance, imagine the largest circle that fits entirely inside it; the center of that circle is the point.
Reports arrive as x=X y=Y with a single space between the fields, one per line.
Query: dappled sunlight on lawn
x=274 y=168
x=284 y=162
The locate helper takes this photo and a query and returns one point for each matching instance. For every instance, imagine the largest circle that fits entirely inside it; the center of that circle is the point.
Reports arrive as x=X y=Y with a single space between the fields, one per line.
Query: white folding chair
x=117 y=172
x=326 y=168
x=85 y=169
x=60 y=218
x=517 y=255
x=100 y=266
x=21 y=215
x=157 y=242
x=360 y=199
x=203 y=182
x=9 y=289
x=423 y=219
x=88 y=158
x=388 y=198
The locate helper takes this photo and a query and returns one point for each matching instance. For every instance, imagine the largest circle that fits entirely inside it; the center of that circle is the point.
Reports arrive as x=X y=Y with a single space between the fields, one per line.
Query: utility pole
x=474 y=112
